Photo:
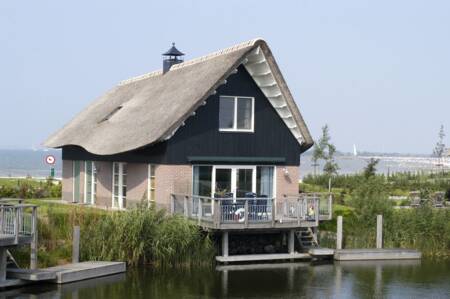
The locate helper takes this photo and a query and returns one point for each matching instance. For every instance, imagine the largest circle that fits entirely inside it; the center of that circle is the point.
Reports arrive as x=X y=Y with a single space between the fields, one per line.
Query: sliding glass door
x=234 y=181
x=225 y=181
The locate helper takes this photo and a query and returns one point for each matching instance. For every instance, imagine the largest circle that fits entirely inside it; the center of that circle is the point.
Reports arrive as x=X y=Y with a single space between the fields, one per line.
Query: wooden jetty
x=316 y=252
x=376 y=254
x=69 y=272
x=18 y=227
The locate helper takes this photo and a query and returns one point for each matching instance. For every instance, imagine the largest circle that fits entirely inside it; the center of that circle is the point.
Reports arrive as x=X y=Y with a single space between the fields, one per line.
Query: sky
x=377 y=72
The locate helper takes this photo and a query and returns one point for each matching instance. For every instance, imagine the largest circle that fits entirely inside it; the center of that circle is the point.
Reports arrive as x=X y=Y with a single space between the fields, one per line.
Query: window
x=119 y=185
x=151 y=196
x=202 y=180
x=264 y=181
x=236 y=114
x=109 y=115
x=90 y=185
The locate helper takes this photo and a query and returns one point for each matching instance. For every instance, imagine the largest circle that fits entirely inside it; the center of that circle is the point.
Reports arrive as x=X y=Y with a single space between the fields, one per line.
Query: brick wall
x=172 y=179
x=136 y=183
x=287 y=184
x=104 y=184
x=169 y=179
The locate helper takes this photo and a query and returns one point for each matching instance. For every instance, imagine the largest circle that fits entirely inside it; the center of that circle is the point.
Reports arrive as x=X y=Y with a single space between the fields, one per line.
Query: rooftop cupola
x=171 y=57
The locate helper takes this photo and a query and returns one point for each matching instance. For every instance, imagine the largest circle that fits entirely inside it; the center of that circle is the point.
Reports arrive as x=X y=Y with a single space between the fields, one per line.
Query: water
x=21 y=163
x=375 y=279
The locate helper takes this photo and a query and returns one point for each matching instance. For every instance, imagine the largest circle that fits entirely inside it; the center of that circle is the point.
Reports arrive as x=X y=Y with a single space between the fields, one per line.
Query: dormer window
x=236 y=114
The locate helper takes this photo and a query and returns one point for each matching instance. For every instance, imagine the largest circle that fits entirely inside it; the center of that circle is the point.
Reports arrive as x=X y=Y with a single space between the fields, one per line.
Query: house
x=222 y=126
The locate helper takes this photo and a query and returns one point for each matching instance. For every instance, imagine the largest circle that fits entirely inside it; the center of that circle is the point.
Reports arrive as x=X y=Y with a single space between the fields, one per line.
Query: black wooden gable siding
x=200 y=137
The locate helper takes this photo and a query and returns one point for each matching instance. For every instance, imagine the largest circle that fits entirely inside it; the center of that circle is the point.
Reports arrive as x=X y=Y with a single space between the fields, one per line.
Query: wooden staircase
x=306 y=239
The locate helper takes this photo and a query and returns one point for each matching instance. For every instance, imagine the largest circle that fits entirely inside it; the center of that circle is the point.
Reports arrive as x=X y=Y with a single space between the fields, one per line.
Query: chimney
x=171 y=57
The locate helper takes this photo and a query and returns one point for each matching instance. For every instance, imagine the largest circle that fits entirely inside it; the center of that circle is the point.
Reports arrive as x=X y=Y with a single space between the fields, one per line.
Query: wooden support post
x=298 y=211
x=291 y=241
x=316 y=211
x=330 y=206
x=379 y=231
x=76 y=245
x=3 y=264
x=16 y=226
x=199 y=212
x=246 y=213
x=274 y=211
x=185 y=207
x=172 y=204
x=34 y=240
x=2 y=225
x=217 y=214
x=225 y=244
x=339 y=233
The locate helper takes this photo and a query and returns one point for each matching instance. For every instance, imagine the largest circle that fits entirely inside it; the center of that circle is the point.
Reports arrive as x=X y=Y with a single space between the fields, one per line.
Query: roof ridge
x=193 y=61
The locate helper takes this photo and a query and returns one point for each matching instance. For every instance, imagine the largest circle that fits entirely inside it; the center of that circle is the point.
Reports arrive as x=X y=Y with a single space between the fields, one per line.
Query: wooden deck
x=304 y=210
x=85 y=270
x=262 y=257
x=376 y=254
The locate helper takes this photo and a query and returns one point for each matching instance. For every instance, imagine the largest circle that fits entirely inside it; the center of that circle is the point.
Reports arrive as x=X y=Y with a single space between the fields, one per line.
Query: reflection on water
x=364 y=279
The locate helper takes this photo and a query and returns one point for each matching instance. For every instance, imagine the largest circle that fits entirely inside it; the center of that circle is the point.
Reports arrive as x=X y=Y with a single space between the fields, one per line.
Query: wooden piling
x=34 y=240
x=76 y=245
x=291 y=241
x=225 y=244
x=339 y=233
x=379 y=231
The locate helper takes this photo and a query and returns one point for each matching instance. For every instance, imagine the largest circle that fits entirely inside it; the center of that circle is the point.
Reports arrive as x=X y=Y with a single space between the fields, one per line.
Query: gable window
x=119 y=185
x=236 y=114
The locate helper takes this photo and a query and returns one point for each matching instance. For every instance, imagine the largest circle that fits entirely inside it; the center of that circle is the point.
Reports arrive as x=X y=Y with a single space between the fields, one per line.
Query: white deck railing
x=310 y=207
x=17 y=220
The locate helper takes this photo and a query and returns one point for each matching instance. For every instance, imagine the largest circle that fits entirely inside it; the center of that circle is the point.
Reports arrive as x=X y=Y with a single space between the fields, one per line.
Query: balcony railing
x=307 y=208
x=17 y=221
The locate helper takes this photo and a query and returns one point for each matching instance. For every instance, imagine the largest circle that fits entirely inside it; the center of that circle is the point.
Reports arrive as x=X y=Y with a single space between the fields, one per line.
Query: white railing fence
x=304 y=207
x=18 y=220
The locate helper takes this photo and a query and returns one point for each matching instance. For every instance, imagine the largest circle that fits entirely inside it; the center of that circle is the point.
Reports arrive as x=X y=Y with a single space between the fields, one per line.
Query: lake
x=367 y=279
x=21 y=163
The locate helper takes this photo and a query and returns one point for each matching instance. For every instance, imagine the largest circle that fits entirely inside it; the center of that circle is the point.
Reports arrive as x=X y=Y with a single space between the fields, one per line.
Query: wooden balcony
x=304 y=210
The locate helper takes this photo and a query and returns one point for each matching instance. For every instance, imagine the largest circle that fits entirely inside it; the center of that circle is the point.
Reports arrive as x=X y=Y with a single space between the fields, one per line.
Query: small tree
x=370 y=168
x=439 y=149
x=316 y=156
x=328 y=150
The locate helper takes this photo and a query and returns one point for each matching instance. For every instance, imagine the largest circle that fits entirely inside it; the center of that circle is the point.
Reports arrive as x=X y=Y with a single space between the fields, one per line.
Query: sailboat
x=355 y=152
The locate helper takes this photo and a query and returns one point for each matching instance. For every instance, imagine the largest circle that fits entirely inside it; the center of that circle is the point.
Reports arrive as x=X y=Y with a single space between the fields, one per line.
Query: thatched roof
x=148 y=109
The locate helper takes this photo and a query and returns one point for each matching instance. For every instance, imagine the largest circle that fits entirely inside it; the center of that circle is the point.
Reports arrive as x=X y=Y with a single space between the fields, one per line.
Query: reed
x=137 y=236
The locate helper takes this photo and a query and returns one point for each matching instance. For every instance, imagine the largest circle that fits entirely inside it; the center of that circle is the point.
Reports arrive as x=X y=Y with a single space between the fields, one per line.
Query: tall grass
x=137 y=236
x=425 y=228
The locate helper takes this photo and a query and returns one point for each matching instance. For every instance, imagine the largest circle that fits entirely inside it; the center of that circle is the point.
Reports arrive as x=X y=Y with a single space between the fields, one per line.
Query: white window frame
x=149 y=184
x=235 y=129
x=120 y=186
x=234 y=169
x=93 y=183
x=233 y=179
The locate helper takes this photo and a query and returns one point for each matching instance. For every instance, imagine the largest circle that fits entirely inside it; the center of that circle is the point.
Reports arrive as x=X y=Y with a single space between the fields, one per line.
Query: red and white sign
x=50 y=159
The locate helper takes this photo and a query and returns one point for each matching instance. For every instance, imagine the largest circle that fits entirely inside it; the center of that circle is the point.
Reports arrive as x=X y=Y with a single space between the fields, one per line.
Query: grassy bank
x=138 y=236
x=424 y=228
x=29 y=188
